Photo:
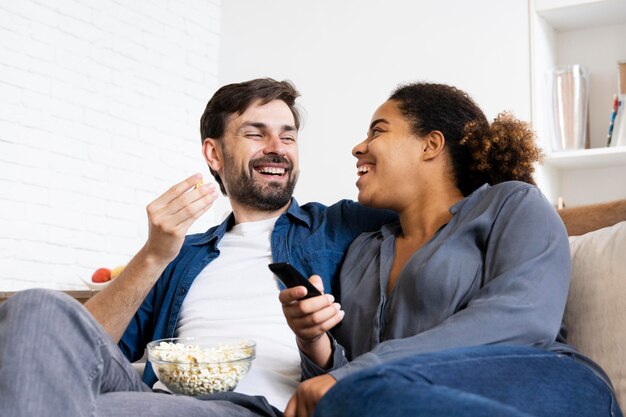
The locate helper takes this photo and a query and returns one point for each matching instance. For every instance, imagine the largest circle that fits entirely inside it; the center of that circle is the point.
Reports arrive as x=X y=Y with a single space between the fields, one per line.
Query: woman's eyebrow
x=375 y=122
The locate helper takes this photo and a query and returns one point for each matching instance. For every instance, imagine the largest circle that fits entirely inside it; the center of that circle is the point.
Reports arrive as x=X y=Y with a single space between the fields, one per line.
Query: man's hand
x=171 y=215
x=310 y=319
x=307 y=395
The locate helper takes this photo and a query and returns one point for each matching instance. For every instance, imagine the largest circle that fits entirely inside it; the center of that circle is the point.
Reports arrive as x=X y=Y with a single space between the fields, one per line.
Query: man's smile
x=269 y=170
x=271 y=166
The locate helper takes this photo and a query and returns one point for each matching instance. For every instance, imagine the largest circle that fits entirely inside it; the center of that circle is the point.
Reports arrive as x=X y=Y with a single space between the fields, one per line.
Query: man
x=215 y=283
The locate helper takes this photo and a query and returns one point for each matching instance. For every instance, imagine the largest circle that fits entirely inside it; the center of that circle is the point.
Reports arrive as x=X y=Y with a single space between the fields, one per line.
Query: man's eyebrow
x=258 y=125
x=375 y=122
x=261 y=125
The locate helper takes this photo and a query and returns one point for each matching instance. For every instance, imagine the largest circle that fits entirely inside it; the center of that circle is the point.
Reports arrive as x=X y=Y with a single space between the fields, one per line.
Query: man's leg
x=477 y=381
x=55 y=359
x=143 y=404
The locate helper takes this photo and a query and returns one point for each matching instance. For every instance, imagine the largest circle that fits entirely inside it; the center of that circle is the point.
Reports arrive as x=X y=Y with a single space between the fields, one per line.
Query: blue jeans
x=489 y=381
x=56 y=360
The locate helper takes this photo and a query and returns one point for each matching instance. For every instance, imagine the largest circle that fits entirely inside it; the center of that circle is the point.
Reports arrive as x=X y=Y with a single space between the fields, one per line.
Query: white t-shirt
x=236 y=295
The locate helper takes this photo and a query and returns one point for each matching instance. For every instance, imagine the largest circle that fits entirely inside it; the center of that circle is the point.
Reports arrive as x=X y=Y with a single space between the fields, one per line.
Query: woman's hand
x=310 y=319
x=307 y=395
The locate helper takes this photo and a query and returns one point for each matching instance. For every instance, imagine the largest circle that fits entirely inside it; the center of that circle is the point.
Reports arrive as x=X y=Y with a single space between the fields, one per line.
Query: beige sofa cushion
x=597 y=301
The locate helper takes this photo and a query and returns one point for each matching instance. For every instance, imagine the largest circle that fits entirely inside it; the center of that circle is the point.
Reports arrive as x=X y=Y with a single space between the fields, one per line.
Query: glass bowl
x=203 y=365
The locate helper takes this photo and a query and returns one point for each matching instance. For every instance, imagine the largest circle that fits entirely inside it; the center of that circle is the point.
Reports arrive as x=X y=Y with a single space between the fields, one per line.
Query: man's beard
x=247 y=191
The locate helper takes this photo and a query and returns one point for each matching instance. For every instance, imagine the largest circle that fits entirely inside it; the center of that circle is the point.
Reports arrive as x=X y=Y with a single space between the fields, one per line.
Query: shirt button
x=182 y=291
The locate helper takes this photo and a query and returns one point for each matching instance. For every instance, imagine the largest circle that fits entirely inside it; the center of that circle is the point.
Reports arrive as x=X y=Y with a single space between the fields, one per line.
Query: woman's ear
x=433 y=144
x=212 y=152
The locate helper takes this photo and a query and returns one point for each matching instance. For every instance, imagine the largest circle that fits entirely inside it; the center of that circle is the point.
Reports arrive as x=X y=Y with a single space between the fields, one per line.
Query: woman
x=456 y=309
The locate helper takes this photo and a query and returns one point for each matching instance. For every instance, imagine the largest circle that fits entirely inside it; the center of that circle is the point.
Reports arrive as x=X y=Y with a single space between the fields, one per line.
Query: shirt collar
x=392 y=229
x=457 y=206
x=298 y=213
x=214 y=235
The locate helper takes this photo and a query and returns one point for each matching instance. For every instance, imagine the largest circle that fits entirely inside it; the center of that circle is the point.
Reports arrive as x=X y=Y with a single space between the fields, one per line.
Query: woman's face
x=389 y=160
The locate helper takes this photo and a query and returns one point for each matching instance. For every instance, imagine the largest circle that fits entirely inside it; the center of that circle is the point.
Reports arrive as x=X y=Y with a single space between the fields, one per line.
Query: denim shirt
x=313 y=237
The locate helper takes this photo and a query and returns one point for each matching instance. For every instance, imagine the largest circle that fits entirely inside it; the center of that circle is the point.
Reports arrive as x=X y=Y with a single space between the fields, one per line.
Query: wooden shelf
x=587 y=158
x=564 y=15
x=80 y=295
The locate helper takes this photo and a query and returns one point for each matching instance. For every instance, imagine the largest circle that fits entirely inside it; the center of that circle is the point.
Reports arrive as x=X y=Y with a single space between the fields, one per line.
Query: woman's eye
x=376 y=132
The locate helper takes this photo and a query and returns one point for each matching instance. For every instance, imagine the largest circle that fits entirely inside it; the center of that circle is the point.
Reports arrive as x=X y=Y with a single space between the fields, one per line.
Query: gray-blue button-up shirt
x=497 y=273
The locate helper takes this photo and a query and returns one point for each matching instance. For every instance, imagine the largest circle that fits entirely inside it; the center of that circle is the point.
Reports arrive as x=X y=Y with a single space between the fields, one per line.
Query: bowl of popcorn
x=196 y=366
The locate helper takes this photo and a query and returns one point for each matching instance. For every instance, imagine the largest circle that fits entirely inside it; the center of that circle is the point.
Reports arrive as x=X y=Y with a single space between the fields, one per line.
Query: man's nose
x=274 y=145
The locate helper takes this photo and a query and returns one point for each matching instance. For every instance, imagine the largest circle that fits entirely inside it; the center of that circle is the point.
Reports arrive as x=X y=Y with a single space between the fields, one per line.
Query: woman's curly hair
x=481 y=153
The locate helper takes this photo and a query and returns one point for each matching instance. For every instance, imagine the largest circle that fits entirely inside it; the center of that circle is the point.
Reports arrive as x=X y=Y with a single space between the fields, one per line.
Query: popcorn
x=199 y=184
x=191 y=370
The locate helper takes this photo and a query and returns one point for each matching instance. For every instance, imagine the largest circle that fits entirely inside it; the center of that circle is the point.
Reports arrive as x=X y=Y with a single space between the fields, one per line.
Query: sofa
x=597 y=236
x=597 y=298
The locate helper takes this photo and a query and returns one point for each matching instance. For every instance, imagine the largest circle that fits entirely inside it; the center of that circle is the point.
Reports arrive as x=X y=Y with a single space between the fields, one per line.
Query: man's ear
x=212 y=151
x=432 y=145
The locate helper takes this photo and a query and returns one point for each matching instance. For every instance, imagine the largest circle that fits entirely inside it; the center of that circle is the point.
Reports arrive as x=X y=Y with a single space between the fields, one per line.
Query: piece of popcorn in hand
x=199 y=184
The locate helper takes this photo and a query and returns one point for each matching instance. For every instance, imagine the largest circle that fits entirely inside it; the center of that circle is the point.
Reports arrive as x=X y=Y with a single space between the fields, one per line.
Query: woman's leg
x=477 y=381
x=55 y=358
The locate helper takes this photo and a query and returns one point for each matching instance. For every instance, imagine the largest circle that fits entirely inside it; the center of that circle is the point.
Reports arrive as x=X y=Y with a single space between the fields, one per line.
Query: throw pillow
x=597 y=301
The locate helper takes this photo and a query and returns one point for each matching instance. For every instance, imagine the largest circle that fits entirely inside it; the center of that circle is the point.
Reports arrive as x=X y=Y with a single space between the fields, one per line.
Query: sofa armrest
x=583 y=219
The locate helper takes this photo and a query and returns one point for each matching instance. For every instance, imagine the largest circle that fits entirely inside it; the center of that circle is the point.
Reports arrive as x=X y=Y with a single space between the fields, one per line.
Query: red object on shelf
x=101 y=275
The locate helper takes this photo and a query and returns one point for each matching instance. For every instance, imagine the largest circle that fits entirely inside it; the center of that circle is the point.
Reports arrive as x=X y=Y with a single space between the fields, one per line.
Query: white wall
x=346 y=56
x=100 y=103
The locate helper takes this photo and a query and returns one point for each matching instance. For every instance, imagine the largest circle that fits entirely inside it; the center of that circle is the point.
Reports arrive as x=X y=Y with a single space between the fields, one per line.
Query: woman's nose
x=360 y=149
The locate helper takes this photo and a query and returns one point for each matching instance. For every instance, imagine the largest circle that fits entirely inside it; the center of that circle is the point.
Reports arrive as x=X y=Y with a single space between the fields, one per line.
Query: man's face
x=260 y=156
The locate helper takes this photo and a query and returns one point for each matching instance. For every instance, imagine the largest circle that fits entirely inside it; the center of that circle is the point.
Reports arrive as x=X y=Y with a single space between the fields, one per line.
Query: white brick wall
x=100 y=102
